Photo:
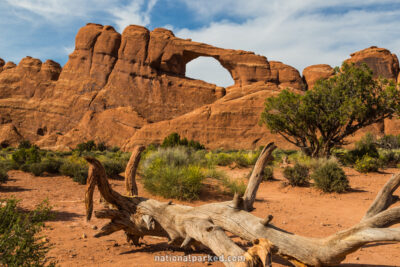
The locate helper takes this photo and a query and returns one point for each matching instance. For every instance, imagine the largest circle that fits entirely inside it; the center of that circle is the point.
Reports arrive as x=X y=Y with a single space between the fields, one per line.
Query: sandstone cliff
x=130 y=88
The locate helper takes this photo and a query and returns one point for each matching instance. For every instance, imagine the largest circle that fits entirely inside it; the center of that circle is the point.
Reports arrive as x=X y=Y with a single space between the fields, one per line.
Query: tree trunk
x=208 y=224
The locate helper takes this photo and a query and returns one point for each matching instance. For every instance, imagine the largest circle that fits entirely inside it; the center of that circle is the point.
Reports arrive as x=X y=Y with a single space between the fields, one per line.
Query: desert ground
x=304 y=211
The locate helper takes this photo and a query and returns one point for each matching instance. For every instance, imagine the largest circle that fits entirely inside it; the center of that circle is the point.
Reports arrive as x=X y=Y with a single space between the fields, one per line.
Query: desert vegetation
x=20 y=241
x=321 y=118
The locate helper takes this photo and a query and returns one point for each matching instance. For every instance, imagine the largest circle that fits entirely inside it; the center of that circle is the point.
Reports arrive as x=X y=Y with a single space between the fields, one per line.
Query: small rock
x=84 y=235
x=116 y=245
x=357 y=258
x=94 y=227
x=45 y=239
x=72 y=255
x=284 y=222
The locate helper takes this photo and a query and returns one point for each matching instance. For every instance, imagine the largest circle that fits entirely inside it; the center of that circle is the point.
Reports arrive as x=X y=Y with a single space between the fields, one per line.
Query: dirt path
x=304 y=211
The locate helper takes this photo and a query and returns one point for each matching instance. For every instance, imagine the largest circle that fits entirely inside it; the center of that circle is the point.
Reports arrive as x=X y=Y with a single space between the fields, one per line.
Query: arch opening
x=209 y=70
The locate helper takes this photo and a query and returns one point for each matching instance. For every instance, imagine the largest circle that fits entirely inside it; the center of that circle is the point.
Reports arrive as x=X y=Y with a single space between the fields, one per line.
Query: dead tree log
x=207 y=224
x=130 y=171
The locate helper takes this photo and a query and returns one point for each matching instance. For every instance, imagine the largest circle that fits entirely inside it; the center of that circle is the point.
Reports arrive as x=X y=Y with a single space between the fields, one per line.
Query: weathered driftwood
x=208 y=224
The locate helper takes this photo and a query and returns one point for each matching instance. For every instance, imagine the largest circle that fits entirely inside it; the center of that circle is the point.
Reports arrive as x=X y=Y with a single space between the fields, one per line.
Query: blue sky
x=298 y=33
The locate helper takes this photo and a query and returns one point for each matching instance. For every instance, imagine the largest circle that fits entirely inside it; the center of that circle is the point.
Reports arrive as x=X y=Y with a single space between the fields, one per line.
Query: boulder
x=313 y=73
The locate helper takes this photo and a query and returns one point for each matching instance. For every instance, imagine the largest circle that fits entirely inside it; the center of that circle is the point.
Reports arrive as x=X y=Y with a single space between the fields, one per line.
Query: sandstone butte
x=130 y=88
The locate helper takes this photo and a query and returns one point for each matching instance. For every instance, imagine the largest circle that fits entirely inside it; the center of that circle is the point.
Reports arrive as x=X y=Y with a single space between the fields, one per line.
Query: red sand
x=304 y=211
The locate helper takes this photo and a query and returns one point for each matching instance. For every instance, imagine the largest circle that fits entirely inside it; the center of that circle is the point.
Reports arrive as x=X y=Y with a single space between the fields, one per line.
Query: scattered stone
x=94 y=227
x=84 y=235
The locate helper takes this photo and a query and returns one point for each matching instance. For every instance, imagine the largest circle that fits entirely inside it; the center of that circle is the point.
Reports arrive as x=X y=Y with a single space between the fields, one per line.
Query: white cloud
x=136 y=12
x=58 y=11
x=298 y=33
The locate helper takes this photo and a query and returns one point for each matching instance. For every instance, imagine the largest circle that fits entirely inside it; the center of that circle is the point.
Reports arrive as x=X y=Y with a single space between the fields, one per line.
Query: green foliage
x=3 y=176
x=330 y=178
x=20 y=244
x=101 y=146
x=26 y=156
x=46 y=166
x=268 y=173
x=240 y=158
x=24 y=144
x=174 y=172
x=233 y=186
x=298 y=175
x=336 y=108
x=389 y=158
x=367 y=164
x=76 y=168
x=174 y=140
x=86 y=146
x=365 y=147
x=389 y=142
x=114 y=167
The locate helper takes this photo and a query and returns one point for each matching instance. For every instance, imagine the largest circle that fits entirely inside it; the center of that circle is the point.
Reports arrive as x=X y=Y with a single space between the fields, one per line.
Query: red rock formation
x=380 y=60
x=130 y=88
x=286 y=76
x=1 y=64
x=313 y=73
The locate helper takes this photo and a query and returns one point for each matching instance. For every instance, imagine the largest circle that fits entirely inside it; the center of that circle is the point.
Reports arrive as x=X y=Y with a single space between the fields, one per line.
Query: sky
x=298 y=33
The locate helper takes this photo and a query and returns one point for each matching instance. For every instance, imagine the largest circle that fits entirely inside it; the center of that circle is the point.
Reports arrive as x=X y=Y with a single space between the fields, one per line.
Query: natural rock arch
x=214 y=69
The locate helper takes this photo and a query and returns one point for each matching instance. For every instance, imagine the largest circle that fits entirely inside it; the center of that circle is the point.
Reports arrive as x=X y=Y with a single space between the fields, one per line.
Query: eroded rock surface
x=313 y=73
x=130 y=88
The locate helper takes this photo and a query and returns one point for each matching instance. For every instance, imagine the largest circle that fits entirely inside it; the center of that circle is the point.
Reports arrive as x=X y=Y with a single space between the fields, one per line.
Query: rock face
x=313 y=73
x=380 y=60
x=114 y=85
x=130 y=88
x=286 y=76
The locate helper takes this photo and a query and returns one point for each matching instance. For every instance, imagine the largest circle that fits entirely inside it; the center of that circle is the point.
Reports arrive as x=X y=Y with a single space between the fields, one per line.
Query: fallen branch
x=209 y=224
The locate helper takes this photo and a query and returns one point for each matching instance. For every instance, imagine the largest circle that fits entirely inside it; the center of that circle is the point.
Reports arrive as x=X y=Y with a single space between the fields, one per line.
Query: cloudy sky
x=298 y=33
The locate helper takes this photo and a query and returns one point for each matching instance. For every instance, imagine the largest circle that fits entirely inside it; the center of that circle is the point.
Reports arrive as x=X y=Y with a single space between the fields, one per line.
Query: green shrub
x=8 y=164
x=389 y=158
x=24 y=144
x=20 y=243
x=233 y=186
x=367 y=164
x=101 y=146
x=181 y=182
x=114 y=149
x=26 y=156
x=88 y=146
x=49 y=165
x=113 y=167
x=330 y=178
x=268 y=173
x=389 y=142
x=174 y=172
x=297 y=175
x=78 y=172
x=174 y=139
x=3 y=176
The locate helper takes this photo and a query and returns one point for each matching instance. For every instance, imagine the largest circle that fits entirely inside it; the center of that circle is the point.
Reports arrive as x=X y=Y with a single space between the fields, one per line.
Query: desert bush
x=24 y=144
x=268 y=173
x=174 y=172
x=174 y=139
x=114 y=167
x=181 y=182
x=367 y=164
x=389 y=158
x=20 y=243
x=389 y=142
x=233 y=186
x=298 y=175
x=101 y=146
x=3 y=176
x=49 y=166
x=26 y=156
x=78 y=171
x=86 y=146
x=330 y=178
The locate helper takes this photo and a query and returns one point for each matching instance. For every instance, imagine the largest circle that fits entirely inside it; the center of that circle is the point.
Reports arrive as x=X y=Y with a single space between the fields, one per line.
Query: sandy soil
x=304 y=211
